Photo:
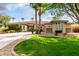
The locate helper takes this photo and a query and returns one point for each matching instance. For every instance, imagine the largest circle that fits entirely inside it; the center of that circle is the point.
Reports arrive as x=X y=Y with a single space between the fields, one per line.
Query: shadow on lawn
x=43 y=46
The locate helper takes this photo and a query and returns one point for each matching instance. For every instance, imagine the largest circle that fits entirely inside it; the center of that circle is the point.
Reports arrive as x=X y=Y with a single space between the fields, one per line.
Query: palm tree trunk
x=36 y=21
x=40 y=16
x=36 y=18
x=39 y=19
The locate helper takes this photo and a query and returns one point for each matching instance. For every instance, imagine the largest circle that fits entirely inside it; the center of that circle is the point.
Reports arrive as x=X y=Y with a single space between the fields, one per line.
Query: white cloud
x=11 y=7
x=21 y=5
x=15 y=6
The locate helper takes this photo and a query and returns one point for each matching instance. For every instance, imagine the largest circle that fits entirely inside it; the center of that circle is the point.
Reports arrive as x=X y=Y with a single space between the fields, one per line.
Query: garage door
x=68 y=30
x=48 y=30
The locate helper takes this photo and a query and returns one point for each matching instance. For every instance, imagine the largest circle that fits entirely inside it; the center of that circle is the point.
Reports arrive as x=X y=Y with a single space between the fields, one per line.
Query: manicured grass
x=44 y=46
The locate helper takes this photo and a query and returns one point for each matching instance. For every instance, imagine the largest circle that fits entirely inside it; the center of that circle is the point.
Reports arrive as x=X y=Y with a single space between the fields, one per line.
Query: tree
x=40 y=8
x=71 y=9
x=32 y=19
x=15 y=27
x=22 y=19
x=4 y=19
x=13 y=18
x=35 y=7
x=55 y=9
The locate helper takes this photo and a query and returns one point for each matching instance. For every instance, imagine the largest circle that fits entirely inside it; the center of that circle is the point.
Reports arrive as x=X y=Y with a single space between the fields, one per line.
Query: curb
x=12 y=49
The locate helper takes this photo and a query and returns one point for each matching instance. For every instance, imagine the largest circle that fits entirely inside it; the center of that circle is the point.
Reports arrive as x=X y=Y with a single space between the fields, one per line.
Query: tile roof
x=28 y=22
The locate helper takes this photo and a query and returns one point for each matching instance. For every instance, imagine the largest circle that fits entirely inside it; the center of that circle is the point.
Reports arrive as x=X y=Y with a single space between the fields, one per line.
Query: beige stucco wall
x=2 y=29
x=65 y=25
x=53 y=27
x=74 y=26
x=34 y=26
x=69 y=26
x=24 y=27
x=48 y=26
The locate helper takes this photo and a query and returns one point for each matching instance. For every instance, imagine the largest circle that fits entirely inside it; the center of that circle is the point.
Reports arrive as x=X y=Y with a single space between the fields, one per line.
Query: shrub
x=15 y=27
x=11 y=31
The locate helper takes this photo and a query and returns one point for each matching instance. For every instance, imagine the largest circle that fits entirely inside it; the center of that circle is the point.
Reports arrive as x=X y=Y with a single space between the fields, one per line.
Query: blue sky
x=19 y=10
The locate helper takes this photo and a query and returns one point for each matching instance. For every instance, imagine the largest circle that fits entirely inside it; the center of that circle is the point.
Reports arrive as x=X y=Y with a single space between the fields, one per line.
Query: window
x=59 y=27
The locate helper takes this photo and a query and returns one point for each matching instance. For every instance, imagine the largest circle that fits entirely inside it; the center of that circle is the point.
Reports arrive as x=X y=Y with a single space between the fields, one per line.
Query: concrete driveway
x=73 y=34
x=6 y=39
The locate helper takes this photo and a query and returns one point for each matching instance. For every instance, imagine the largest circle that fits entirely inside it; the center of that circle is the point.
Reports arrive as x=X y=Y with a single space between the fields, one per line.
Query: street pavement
x=6 y=39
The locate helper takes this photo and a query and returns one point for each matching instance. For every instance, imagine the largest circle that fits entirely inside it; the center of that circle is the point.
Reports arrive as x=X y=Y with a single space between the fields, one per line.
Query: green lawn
x=44 y=46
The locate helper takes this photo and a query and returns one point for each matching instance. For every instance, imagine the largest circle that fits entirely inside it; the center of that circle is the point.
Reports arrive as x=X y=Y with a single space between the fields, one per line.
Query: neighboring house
x=2 y=28
x=54 y=26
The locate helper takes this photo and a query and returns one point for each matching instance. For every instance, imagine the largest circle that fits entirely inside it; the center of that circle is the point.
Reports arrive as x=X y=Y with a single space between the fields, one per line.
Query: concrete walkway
x=8 y=40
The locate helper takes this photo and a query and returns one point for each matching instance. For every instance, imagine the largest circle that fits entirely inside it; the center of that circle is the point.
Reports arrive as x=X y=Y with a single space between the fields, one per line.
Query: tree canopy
x=4 y=19
x=37 y=6
x=59 y=9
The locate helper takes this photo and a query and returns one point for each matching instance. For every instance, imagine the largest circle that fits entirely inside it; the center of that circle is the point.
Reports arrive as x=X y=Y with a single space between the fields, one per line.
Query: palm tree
x=22 y=19
x=40 y=8
x=32 y=19
x=13 y=18
x=35 y=7
x=39 y=16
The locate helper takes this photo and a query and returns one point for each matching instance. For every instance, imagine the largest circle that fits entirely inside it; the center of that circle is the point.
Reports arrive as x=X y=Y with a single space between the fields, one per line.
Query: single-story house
x=54 y=26
x=27 y=25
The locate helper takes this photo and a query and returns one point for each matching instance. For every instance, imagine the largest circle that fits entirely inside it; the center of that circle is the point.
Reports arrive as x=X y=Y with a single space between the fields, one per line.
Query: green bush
x=15 y=27
x=11 y=31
